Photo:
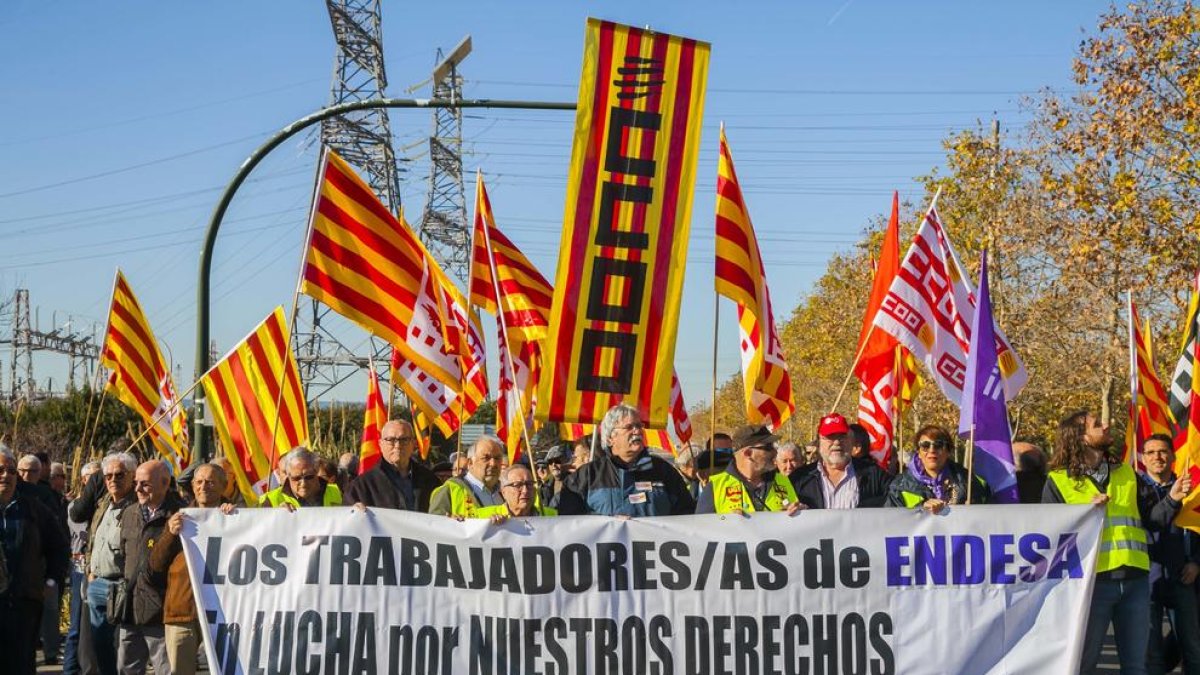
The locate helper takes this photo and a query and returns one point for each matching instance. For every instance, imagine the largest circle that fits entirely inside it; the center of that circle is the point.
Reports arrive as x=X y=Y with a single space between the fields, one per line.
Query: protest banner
x=981 y=589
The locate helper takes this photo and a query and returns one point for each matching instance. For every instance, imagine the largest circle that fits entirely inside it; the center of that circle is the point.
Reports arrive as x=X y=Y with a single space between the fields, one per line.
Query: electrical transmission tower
x=444 y=228
x=364 y=139
x=26 y=337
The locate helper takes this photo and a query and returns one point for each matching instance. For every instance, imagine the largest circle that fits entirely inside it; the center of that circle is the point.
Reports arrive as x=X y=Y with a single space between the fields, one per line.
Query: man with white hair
x=685 y=464
x=34 y=550
x=104 y=556
x=480 y=487
x=838 y=480
x=517 y=490
x=624 y=479
x=301 y=485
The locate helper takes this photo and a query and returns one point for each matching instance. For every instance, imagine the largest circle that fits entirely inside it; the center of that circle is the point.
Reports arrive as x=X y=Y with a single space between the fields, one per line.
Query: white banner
x=981 y=589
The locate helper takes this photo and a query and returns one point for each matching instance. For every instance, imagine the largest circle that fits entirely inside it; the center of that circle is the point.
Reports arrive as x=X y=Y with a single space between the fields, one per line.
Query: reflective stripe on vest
x=1123 y=541
x=729 y=494
x=462 y=500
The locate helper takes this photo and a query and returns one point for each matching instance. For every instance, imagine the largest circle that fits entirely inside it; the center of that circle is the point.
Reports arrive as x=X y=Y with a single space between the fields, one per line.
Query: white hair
x=486 y=438
x=89 y=469
x=616 y=414
x=31 y=462
x=126 y=460
x=299 y=454
x=5 y=453
x=509 y=469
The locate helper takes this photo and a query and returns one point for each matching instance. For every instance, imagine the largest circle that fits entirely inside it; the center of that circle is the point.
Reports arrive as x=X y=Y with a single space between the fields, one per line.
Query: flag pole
x=506 y=352
x=169 y=411
x=1131 y=433
x=871 y=330
x=971 y=463
x=312 y=217
x=712 y=430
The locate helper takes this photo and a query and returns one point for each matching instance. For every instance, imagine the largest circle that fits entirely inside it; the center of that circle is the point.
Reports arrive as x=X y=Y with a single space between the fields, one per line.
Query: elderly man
x=787 y=459
x=347 y=470
x=141 y=636
x=750 y=483
x=302 y=486
x=105 y=550
x=517 y=489
x=1083 y=472
x=581 y=453
x=180 y=618
x=34 y=550
x=838 y=480
x=461 y=497
x=397 y=482
x=556 y=461
x=624 y=479
x=34 y=474
x=685 y=464
x=1174 y=566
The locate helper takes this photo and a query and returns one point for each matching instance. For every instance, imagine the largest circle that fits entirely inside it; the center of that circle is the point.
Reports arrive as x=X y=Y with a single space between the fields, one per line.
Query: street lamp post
x=199 y=435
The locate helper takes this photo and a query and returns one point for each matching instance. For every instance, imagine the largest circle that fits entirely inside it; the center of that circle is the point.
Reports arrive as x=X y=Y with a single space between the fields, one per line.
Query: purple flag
x=983 y=402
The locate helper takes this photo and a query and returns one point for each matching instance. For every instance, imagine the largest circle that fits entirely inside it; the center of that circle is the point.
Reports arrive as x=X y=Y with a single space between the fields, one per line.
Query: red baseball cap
x=833 y=424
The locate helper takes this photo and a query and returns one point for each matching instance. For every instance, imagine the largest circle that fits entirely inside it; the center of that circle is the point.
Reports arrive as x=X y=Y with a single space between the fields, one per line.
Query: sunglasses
x=933 y=445
x=301 y=479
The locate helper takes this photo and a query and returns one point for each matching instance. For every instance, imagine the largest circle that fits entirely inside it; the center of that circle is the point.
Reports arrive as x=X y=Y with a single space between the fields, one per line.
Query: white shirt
x=844 y=495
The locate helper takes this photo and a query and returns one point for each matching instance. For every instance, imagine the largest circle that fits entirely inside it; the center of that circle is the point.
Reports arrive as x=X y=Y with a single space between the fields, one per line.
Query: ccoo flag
x=983 y=409
x=140 y=377
x=877 y=365
x=242 y=392
x=930 y=308
x=625 y=225
x=740 y=276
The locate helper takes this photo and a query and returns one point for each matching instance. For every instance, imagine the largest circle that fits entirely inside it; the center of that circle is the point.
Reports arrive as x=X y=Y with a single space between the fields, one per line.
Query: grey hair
x=123 y=458
x=509 y=469
x=688 y=454
x=5 y=453
x=299 y=454
x=486 y=438
x=614 y=415
x=788 y=447
x=30 y=461
x=89 y=468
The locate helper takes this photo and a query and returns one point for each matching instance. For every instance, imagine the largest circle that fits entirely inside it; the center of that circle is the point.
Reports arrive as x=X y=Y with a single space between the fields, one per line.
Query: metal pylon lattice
x=364 y=139
x=444 y=228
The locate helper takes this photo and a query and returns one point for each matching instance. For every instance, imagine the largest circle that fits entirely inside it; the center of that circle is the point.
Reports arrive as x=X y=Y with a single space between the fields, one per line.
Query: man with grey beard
x=836 y=480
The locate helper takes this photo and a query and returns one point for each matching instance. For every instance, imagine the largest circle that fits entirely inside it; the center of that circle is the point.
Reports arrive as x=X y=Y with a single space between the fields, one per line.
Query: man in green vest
x=302 y=486
x=460 y=497
x=517 y=489
x=1083 y=472
x=750 y=482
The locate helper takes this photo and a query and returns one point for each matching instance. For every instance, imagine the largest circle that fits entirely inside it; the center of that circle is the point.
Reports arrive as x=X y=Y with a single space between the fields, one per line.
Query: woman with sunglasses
x=932 y=480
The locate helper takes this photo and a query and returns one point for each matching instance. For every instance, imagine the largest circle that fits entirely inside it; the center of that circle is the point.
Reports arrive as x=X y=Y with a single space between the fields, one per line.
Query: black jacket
x=872 y=484
x=43 y=551
x=648 y=486
x=138 y=536
x=1174 y=547
x=956 y=476
x=377 y=488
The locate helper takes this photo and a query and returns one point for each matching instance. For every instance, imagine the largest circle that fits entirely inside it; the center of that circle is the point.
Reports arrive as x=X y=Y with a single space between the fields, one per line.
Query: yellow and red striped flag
x=1150 y=413
x=242 y=391
x=740 y=277
x=374 y=417
x=367 y=265
x=496 y=263
x=1186 y=409
x=620 y=274
x=140 y=377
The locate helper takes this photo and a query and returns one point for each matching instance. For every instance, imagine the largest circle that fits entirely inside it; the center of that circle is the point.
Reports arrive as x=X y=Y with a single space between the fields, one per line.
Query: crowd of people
x=115 y=547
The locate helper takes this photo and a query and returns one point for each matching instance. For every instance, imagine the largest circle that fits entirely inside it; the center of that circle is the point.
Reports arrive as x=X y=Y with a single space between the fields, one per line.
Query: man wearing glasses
x=142 y=635
x=32 y=550
x=104 y=557
x=624 y=479
x=480 y=487
x=839 y=479
x=750 y=483
x=517 y=489
x=302 y=487
x=397 y=482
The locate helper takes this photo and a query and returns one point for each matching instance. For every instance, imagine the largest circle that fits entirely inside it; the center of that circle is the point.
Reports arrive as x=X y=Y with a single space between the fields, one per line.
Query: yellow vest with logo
x=1123 y=541
x=502 y=510
x=276 y=497
x=729 y=494
x=462 y=500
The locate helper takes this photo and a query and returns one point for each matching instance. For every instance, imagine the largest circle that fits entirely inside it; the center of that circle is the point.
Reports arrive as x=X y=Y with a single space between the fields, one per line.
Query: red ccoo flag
x=877 y=350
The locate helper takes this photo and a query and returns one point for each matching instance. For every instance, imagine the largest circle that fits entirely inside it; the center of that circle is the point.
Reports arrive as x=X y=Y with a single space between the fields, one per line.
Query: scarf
x=939 y=485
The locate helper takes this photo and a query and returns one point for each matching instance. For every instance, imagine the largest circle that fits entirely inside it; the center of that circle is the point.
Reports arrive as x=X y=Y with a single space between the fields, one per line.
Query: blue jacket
x=606 y=486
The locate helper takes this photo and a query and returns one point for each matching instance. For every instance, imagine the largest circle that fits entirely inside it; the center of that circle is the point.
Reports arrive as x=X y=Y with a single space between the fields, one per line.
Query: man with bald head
x=141 y=633
x=397 y=482
x=480 y=487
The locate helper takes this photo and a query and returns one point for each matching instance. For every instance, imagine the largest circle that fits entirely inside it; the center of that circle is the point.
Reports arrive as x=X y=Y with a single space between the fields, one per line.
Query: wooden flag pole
x=971 y=463
x=712 y=428
x=165 y=413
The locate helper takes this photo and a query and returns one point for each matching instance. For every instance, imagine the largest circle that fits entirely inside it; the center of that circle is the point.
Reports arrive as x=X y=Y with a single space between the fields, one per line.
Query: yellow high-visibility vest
x=729 y=494
x=1123 y=541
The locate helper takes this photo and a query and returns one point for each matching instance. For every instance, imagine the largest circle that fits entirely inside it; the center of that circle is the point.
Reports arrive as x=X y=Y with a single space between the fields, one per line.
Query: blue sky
x=121 y=121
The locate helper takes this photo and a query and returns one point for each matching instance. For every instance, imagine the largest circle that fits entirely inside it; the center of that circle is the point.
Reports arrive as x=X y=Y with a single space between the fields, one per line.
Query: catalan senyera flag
x=929 y=309
x=497 y=263
x=367 y=265
x=374 y=417
x=878 y=360
x=1151 y=413
x=625 y=225
x=242 y=390
x=141 y=378
x=740 y=276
